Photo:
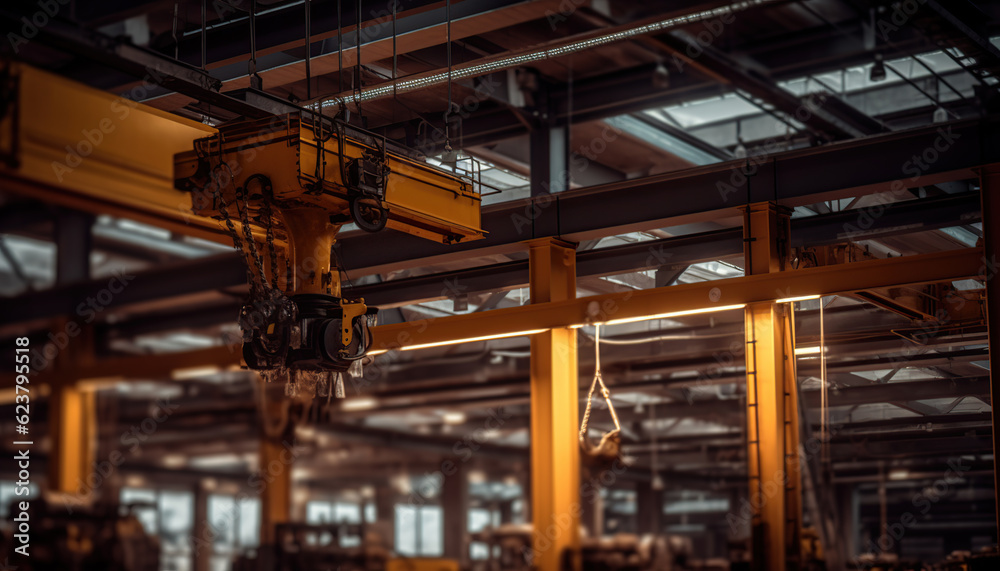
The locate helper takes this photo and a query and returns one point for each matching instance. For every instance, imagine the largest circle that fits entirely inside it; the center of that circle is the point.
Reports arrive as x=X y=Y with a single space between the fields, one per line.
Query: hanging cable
x=340 y=47
x=824 y=405
x=255 y=80
x=395 y=61
x=204 y=25
x=447 y=114
x=357 y=60
x=308 y=49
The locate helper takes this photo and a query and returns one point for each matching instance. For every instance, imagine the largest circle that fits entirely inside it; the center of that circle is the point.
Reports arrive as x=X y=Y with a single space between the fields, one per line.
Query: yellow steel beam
x=80 y=147
x=555 y=450
x=825 y=280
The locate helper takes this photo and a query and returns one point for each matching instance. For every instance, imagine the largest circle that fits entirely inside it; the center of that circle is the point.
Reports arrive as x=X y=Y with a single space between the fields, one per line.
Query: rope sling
x=604 y=454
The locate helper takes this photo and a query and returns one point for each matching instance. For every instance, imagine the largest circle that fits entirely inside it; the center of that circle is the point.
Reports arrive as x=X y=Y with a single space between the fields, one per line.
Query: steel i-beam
x=772 y=432
x=555 y=452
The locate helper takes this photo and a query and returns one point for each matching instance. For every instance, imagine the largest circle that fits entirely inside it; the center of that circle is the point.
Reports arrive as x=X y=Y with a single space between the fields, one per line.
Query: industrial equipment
x=294 y=180
x=510 y=547
x=79 y=538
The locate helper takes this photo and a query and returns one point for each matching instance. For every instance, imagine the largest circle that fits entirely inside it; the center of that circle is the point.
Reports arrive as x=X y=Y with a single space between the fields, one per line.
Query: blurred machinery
x=284 y=186
x=83 y=538
x=510 y=549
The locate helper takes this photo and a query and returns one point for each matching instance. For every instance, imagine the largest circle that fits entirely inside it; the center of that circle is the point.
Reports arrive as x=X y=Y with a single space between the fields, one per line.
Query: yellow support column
x=275 y=476
x=555 y=449
x=72 y=425
x=72 y=416
x=772 y=427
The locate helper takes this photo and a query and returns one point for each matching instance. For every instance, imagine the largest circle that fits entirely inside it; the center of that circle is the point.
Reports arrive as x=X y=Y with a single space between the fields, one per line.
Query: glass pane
x=249 y=533
x=222 y=517
x=431 y=531
x=147 y=515
x=319 y=512
x=406 y=533
x=343 y=511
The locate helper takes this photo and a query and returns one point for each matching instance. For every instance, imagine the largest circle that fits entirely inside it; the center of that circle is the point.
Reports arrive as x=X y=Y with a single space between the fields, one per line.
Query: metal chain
x=224 y=209
x=243 y=208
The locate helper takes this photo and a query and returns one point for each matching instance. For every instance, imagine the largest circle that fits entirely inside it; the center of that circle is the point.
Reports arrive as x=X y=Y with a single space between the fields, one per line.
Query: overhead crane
x=51 y=151
x=299 y=178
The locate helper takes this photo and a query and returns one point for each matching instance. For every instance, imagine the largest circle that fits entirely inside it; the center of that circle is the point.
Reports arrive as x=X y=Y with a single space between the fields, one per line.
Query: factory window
x=419 y=530
x=479 y=519
x=7 y=496
x=169 y=515
x=236 y=528
x=319 y=512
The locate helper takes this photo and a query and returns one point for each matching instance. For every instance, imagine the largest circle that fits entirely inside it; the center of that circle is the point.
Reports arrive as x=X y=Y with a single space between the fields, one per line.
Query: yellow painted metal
x=311 y=235
x=72 y=426
x=827 y=280
x=421 y=564
x=555 y=398
x=772 y=434
x=69 y=144
x=275 y=460
x=421 y=200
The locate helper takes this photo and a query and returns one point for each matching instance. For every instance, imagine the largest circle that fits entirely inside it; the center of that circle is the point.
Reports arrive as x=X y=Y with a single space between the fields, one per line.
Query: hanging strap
x=598 y=380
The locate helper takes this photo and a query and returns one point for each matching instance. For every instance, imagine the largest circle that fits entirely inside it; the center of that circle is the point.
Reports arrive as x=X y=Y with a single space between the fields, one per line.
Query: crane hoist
x=284 y=186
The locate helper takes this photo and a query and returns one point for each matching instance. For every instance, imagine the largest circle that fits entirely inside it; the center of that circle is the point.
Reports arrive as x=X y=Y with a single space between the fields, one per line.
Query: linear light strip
x=405 y=85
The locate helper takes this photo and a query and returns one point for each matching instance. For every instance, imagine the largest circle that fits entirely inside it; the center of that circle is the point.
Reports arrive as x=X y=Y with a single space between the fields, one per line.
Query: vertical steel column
x=548 y=148
x=275 y=458
x=72 y=425
x=555 y=415
x=772 y=436
x=455 y=508
x=989 y=180
x=649 y=508
x=202 y=552
x=385 y=513
x=72 y=411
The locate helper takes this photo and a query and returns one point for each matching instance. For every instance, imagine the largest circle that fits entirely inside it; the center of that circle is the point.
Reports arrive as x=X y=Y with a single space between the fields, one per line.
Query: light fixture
x=799 y=298
x=807 y=350
x=194 y=372
x=666 y=315
x=472 y=339
x=361 y=403
x=398 y=86
x=98 y=383
x=899 y=474
x=453 y=417
x=878 y=69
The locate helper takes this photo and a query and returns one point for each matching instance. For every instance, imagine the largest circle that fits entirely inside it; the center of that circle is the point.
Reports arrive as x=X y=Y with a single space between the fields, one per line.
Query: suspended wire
x=447 y=115
x=340 y=47
x=308 y=5
x=824 y=406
